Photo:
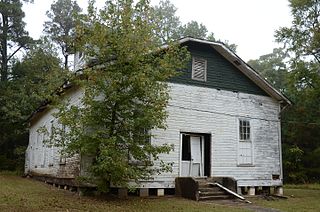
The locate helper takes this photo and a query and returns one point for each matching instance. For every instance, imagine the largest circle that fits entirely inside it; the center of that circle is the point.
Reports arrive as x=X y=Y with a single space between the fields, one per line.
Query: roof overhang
x=243 y=67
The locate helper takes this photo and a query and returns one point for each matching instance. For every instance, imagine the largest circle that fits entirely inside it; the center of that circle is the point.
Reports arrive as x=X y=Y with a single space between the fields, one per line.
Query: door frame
x=205 y=151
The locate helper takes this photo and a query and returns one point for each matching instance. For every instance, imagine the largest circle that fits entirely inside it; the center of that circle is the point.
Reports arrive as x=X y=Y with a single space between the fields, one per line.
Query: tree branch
x=14 y=52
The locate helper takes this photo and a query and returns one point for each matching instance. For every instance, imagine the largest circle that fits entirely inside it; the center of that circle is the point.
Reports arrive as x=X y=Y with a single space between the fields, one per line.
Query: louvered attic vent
x=199 y=69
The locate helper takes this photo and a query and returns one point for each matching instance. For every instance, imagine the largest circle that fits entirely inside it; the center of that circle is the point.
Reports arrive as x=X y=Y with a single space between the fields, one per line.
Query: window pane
x=244 y=130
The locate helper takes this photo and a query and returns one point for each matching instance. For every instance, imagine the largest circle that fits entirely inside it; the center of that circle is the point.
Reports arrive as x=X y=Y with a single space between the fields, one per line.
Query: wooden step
x=212 y=193
x=216 y=197
x=205 y=189
x=208 y=191
x=204 y=184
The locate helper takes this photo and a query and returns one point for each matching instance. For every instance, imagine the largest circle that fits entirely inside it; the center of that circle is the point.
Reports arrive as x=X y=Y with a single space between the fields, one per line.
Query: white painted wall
x=198 y=110
x=42 y=158
x=216 y=112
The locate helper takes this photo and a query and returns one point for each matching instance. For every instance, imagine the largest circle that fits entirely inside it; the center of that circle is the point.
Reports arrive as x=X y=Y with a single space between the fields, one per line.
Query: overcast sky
x=250 y=24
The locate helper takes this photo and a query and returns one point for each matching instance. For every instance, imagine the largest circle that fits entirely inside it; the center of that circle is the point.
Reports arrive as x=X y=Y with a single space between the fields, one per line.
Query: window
x=199 y=69
x=244 y=129
x=245 y=155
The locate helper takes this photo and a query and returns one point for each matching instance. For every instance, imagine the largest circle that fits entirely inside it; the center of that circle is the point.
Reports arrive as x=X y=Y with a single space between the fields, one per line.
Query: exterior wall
x=42 y=159
x=196 y=110
x=217 y=112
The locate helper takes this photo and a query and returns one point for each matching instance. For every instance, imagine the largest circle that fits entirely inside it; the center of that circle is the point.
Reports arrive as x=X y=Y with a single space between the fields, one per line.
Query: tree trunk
x=4 y=44
x=66 y=61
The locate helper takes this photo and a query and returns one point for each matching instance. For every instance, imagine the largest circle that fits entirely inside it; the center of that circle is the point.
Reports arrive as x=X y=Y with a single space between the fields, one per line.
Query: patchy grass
x=300 y=198
x=315 y=186
x=20 y=194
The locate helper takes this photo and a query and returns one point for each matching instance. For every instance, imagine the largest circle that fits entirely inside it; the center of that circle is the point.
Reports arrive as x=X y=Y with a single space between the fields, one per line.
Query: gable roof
x=232 y=57
x=242 y=66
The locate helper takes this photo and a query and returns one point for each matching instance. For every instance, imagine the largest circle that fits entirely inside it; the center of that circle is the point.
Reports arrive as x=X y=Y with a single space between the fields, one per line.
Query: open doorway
x=195 y=155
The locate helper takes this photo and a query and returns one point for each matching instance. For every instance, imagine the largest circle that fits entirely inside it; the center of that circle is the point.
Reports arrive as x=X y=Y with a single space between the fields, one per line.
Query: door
x=192 y=157
x=196 y=168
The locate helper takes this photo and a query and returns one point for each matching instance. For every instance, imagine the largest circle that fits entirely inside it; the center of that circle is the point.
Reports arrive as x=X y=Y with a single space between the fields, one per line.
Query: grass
x=315 y=186
x=21 y=194
x=300 y=198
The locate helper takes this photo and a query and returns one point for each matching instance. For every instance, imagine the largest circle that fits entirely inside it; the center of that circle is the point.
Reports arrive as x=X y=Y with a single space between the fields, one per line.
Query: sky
x=250 y=24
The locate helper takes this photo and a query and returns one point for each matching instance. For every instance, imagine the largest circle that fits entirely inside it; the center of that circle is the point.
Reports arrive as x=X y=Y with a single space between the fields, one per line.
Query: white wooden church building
x=224 y=121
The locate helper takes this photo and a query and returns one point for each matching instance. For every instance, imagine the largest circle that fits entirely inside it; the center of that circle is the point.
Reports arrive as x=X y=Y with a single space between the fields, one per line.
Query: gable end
x=220 y=73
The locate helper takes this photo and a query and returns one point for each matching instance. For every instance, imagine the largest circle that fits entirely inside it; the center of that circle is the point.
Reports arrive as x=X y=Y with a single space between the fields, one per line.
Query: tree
x=13 y=37
x=125 y=95
x=169 y=27
x=301 y=121
x=164 y=16
x=231 y=46
x=303 y=37
x=61 y=27
x=273 y=68
x=33 y=79
x=194 y=29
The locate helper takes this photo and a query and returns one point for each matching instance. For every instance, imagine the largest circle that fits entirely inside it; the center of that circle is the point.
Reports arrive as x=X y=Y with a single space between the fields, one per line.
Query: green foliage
x=12 y=34
x=273 y=68
x=292 y=162
x=169 y=27
x=33 y=79
x=301 y=127
x=194 y=29
x=166 y=21
x=125 y=94
x=231 y=46
x=62 y=24
x=300 y=81
x=303 y=37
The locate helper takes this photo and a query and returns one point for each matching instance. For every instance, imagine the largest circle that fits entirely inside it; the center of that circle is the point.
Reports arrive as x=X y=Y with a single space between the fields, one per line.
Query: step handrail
x=229 y=191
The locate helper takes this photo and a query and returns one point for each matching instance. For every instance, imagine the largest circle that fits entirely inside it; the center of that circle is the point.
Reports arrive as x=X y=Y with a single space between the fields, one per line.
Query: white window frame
x=246 y=133
x=205 y=69
x=250 y=140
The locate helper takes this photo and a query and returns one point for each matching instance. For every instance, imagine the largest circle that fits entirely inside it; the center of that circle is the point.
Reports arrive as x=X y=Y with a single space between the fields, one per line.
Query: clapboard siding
x=194 y=109
x=191 y=109
x=221 y=74
x=207 y=110
x=42 y=159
